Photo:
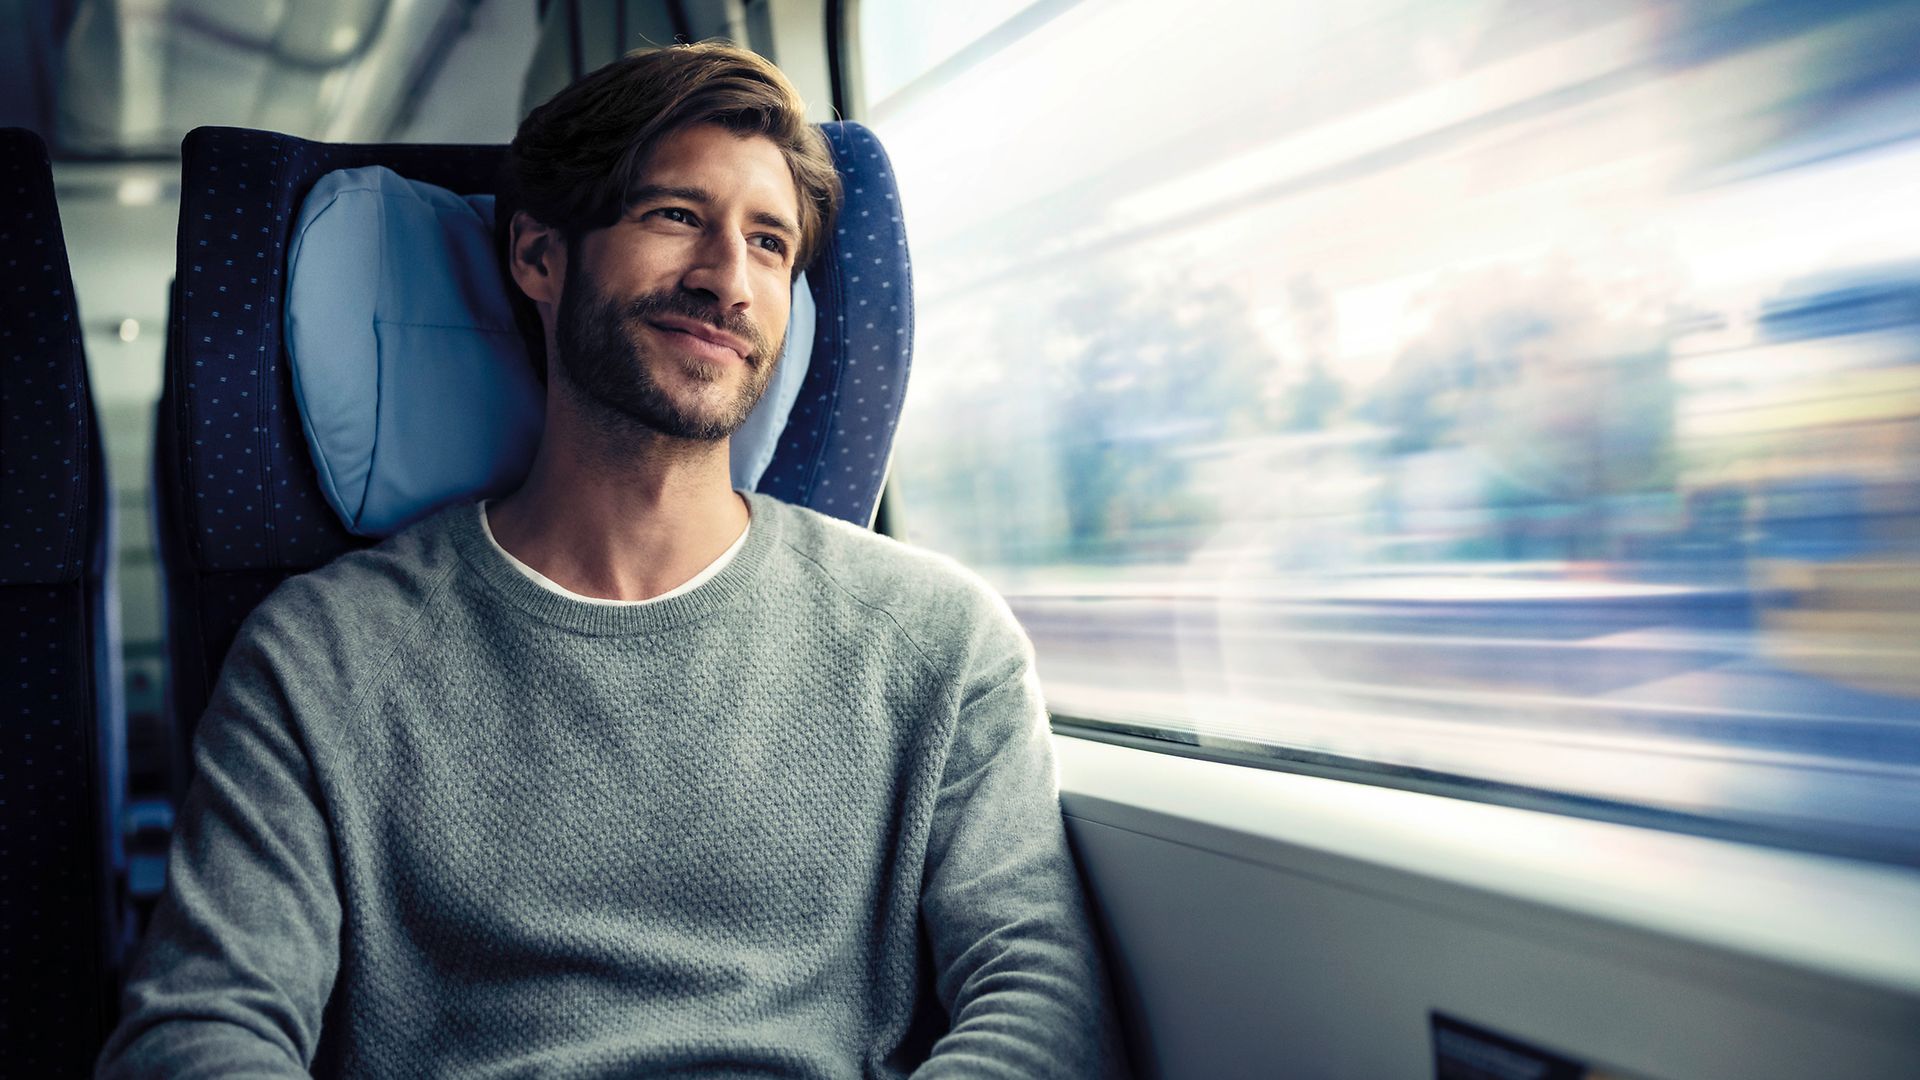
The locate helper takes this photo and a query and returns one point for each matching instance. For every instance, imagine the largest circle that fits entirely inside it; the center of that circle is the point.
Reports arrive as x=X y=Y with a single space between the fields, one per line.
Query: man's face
x=672 y=317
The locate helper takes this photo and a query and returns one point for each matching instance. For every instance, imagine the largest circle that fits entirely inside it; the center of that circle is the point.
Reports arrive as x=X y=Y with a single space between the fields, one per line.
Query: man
x=628 y=773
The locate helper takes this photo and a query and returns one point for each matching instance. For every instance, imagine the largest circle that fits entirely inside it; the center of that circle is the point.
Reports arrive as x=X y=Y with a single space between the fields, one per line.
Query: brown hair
x=576 y=156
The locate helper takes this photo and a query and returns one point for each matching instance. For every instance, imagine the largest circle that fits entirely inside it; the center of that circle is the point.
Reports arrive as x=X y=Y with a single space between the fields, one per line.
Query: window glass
x=1522 y=393
x=899 y=42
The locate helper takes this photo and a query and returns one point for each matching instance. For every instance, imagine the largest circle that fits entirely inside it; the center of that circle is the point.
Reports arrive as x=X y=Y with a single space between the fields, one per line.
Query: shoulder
x=359 y=601
x=309 y=654
x=933 y=598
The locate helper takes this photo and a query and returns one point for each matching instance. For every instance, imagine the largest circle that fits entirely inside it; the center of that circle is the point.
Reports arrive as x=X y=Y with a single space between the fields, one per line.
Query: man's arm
x=1017 y=965
x=235 y=971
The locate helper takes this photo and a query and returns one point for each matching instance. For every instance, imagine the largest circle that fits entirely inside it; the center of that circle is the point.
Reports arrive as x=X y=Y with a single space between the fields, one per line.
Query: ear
x=538 y=260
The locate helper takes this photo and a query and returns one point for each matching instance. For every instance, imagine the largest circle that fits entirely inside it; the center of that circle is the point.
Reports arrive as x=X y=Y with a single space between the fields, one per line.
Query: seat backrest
x=240 y=503
x=62 y=735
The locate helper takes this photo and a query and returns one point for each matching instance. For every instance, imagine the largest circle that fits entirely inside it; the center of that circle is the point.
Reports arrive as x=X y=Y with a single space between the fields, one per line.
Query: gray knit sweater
x=800 y=821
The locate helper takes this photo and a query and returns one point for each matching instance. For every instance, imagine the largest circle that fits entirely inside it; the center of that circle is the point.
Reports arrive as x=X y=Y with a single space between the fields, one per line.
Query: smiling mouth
x=699 y=345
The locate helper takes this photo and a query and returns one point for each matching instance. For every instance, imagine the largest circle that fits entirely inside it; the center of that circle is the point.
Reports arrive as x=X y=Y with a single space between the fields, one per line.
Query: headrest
x=413 y=384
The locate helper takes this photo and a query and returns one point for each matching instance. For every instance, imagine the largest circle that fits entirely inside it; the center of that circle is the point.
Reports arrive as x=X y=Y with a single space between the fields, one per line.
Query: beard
x=602 y=358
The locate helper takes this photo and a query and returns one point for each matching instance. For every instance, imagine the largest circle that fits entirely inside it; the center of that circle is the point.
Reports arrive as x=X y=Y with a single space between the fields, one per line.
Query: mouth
x=702 y=340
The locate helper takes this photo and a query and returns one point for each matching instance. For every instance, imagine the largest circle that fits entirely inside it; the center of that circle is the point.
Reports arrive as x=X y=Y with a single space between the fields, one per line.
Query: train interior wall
x=1264 y=924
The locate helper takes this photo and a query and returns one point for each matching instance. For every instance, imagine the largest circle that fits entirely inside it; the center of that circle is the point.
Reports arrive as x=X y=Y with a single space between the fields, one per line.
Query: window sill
x=1842 y=922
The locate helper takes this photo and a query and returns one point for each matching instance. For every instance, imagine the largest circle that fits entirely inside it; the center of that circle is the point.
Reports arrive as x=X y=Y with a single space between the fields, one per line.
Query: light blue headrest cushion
x=414 y=387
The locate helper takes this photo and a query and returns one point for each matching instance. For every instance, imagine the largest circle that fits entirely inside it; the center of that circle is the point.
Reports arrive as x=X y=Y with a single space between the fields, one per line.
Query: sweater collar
x=723 y=589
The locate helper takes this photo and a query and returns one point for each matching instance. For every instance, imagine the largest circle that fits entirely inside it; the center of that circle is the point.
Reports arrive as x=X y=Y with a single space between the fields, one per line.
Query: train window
x=902 y=41
x=1518 y=400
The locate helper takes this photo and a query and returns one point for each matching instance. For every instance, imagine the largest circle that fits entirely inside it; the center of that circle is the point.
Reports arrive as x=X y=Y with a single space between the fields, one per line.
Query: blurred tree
x=1311 y=402
x=1151 y=376
x=1563 y=412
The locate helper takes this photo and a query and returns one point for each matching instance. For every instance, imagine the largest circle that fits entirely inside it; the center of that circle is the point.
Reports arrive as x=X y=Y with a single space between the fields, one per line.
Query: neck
x=619 y=517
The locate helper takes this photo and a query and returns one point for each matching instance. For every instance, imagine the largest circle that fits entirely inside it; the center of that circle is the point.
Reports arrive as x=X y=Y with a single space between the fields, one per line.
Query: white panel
x=475 y=94
x=1313 y=935
x=208 y=82
x=799 y=46
x=253 y=22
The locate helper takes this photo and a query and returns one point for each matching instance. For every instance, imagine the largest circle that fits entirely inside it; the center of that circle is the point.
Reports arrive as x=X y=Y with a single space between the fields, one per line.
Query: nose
x=719 y=270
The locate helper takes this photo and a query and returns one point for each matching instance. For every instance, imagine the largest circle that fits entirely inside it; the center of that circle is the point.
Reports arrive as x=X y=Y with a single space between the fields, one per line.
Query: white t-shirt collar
x=549 y=584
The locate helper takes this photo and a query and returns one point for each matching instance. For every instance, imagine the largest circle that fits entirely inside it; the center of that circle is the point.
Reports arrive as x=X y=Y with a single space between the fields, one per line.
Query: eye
x=679 y=214
x=771 y=243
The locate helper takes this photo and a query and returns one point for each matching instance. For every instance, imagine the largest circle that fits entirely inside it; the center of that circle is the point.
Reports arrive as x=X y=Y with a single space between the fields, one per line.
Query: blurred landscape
x=1521 y=392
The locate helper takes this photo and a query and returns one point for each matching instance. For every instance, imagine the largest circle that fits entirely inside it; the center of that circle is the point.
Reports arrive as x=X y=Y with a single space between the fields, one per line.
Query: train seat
x=62 y=728
x=412 y=377
x=240 y=502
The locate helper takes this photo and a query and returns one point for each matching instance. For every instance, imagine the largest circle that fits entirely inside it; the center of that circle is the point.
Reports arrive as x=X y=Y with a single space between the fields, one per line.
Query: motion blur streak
x=1526 y=392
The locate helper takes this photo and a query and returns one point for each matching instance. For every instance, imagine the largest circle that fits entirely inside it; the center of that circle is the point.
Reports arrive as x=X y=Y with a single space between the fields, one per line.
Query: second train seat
x=62 y=731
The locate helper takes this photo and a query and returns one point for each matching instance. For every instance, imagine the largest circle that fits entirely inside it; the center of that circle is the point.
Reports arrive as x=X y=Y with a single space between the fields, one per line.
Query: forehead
x=748 y=169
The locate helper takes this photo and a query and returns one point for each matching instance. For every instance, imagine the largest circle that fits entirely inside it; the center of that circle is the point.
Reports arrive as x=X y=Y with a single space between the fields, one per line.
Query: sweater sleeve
x=1017 y=965
x=238 y=963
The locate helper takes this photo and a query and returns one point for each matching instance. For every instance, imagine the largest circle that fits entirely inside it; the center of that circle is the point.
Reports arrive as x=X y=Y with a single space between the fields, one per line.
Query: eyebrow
x=669 y=193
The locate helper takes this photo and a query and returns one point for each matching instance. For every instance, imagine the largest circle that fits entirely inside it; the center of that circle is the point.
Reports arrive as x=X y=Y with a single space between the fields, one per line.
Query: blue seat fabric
x=61 y=739
x=240 y=502
x=833 y=454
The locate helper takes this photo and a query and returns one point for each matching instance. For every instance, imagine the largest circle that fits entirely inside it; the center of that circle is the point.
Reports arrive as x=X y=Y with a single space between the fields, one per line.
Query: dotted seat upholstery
x=62 y=738
x=833 y=454
x=240 y=503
